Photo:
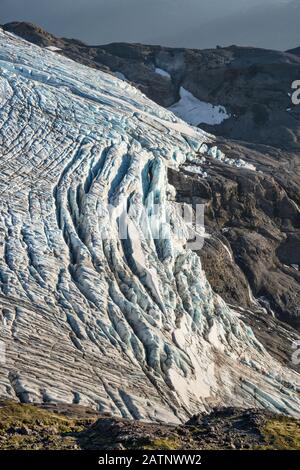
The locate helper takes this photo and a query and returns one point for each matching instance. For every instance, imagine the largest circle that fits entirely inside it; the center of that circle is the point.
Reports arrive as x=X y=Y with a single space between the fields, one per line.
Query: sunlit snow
x=162 y=72
x=196 y=112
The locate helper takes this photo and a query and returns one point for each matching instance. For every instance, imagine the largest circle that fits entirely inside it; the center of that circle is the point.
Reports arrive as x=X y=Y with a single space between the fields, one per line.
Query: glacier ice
x=128 y=325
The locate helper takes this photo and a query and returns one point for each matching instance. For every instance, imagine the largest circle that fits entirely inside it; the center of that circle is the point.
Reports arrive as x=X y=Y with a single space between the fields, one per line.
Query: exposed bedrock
x=253 y=219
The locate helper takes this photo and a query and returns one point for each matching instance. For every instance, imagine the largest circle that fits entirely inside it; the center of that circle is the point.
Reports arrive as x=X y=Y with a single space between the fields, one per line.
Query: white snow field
x=130 y=327
x=163 y=73
x=196 y=112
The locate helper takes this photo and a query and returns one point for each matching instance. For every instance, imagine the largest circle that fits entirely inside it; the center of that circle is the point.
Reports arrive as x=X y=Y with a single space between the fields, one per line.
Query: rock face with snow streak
x=130 y=326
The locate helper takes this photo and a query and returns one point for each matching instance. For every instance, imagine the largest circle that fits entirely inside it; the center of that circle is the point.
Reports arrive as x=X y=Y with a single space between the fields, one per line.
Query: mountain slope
x=129 y=325
x=255 y=86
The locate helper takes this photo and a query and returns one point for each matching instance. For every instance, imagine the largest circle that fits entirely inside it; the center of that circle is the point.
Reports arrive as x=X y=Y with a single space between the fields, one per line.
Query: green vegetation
x=14 y=414
x=25 y=426
x=163 y=444
x=30 y=427
x=282 y=433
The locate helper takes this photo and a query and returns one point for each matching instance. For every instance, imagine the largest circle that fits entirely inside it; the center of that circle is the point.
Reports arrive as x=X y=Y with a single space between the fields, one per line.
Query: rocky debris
x=231 y=427
x=253 y=222
x=277 y=337
x=223 y=428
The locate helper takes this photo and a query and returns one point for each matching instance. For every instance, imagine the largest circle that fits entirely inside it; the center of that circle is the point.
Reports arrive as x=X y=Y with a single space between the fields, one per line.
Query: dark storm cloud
x=190 y=23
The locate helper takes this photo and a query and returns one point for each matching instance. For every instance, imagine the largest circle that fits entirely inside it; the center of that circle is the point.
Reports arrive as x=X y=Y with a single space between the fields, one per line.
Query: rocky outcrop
x=253 y=220
x=69 y=427
x=295 y=51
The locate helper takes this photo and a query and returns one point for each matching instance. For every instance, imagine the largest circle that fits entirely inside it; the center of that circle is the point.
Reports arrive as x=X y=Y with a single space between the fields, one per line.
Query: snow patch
x=162 y=72
x=120 y=76
x=196 y=169
x=196 y=112
x=217 y=154
x=53 y=48
x=227 y=250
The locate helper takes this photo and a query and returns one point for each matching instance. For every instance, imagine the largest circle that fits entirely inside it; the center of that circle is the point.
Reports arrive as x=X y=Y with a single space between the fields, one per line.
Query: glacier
x=127 y=325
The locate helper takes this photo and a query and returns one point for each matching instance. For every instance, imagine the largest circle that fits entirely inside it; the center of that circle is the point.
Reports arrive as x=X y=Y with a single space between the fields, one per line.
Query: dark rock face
x=222 y=272
x=253 y=220
x=32 y=33
x=295 y=51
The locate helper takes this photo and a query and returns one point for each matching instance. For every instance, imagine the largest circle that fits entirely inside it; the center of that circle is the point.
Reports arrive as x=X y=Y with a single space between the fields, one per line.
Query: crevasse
x=128 y=325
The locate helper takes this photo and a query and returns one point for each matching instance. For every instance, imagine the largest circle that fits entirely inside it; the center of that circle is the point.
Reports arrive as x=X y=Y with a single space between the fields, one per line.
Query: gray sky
x=188 y=23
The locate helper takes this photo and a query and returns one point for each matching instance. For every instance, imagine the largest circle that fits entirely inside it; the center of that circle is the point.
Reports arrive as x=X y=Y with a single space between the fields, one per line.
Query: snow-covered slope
x=129 y=326
x=196 y=112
